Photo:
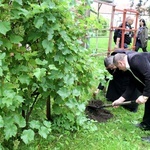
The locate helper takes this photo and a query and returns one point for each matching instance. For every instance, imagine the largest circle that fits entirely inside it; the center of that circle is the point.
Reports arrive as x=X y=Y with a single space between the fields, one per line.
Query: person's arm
x=146 y=33
x=100 y=87
x=128 y=91
x=118 y=38
x=142 y=65
x=117 y=42
x=144 y=36
x=143 y=70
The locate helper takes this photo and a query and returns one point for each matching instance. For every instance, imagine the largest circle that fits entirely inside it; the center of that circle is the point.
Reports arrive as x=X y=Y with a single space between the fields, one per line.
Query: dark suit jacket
x=117 y=86
x=140 y=65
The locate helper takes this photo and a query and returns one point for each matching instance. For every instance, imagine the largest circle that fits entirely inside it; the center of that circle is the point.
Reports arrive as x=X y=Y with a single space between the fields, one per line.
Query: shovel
x=110 y=105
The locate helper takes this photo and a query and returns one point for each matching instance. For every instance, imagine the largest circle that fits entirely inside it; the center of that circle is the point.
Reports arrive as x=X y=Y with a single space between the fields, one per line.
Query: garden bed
x=100 y=115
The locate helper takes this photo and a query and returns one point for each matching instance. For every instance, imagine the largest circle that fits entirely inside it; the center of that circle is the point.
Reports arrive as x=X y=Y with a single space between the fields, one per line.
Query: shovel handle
x=110 y=105
x=120 y=104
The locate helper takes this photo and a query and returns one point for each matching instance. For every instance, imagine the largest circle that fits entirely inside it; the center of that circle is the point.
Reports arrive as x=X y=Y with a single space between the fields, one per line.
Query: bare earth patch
x=100 y=115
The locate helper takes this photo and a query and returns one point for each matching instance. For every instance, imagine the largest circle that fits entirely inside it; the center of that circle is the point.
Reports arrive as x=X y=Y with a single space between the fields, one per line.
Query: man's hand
x=118 y=101
x=141 y=99
x=116 y=46
x=96 y=92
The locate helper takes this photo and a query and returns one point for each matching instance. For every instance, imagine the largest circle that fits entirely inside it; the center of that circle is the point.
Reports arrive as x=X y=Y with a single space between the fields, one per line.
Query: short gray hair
x=129 y=18
x=108 y=61
x=118 y=57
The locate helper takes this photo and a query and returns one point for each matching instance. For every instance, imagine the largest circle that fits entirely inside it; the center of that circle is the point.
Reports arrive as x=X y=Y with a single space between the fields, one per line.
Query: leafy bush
x=42 y=61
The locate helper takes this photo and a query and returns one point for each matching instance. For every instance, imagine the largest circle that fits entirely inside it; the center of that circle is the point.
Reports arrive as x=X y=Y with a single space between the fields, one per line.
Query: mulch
x=100 y=115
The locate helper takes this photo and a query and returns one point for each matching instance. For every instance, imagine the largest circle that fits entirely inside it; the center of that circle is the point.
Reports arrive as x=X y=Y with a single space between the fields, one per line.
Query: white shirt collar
x=127 y=64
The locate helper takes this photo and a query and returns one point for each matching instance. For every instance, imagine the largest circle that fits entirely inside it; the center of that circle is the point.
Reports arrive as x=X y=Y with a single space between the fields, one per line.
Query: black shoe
x=143 y=126
x=146 y=139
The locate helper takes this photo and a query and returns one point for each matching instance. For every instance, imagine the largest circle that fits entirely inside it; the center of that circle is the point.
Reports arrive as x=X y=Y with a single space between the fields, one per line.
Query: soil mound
x=100 y=115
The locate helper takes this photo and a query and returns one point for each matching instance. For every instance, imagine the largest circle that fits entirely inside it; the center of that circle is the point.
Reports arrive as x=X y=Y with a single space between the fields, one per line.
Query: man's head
x=130 y=20
x=108 y=62
x=120 y=62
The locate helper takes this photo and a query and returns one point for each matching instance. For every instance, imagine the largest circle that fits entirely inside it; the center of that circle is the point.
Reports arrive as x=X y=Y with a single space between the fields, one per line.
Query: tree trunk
x=48 y=109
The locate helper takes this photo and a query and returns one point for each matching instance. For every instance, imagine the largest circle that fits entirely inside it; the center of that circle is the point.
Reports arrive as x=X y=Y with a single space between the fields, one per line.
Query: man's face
x=130 y=21
x=121 y=66
x=111 y=67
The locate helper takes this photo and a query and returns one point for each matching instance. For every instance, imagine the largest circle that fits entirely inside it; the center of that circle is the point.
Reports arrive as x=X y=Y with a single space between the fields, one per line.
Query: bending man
x=119 y=82
x=138 y=67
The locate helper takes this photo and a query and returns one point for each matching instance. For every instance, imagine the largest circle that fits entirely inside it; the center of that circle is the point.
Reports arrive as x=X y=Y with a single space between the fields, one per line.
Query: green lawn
x=119 y=133
x=101 y=45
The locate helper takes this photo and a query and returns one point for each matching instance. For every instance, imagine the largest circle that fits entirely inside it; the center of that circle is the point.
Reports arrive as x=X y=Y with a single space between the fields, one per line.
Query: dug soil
x=100 y=115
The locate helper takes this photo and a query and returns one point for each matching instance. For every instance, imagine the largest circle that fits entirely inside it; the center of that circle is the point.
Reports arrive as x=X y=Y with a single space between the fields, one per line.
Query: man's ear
x=119 y=62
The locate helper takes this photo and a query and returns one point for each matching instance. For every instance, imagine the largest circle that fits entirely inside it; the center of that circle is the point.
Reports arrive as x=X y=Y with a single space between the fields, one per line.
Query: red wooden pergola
x=124 y=13
x=111 y=29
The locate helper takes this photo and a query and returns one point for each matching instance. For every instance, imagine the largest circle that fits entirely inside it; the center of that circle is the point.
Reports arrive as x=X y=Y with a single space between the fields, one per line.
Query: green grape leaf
x=64 y=92
x=4 y=27
x=19 y=120
x=57 y=109
x=2 y=55
x=10 y=130
x=15 y=39
x=68 y=79
x=1 y=43
x=49 y=4
x=1 y=122
x=47 y=124
x=19 y=1
x=65 y=36
x=27 y=136
x=81 y=107
x=43 y=132
x=38 y=22
x=24 y=79
x=48 y=46
x=76 y=92
x=7 y=43
x=41 y=62
x=35 y=124
x=1 y=72
x=39 y=73
x=52 y=67
x=8 y=97
x=50 y=34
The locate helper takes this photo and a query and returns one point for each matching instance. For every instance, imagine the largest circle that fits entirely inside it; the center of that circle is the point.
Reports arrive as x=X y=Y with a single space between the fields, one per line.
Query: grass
x=118 y=133
x=101 y=45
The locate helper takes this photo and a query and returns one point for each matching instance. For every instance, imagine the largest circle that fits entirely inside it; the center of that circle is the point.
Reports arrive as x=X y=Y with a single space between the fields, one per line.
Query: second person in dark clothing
x=127 y=35
x=142 y=36
x=119 y=83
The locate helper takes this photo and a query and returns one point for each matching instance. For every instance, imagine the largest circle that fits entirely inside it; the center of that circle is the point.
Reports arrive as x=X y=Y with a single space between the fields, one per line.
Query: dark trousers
x=139 y=45
x=146 y=117
x=125 y=45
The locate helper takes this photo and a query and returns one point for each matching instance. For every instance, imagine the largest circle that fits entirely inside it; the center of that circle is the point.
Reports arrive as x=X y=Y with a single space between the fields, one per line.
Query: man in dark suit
x=138 y=67
x=118 y=84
